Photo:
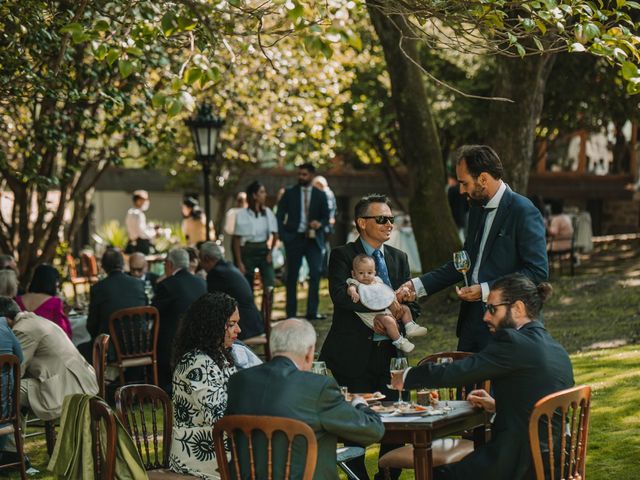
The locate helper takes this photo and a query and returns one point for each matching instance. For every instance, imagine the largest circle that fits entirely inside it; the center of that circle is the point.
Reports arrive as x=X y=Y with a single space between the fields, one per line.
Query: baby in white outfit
x=367 y=288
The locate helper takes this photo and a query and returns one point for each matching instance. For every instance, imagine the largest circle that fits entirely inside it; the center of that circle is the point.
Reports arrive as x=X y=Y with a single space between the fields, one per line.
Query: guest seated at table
x=222 y=276
x=139 y=268
x=52 y=367
x=523 y=362
x=115 y=292
x=284 y=387
x=41 y=297
x=203 y=365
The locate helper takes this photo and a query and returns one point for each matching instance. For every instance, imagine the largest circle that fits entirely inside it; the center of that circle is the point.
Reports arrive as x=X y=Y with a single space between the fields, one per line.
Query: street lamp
x=205 y=128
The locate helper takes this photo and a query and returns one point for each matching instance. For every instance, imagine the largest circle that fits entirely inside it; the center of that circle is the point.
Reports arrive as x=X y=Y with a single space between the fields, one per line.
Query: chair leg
x=121 y=375
x=17 y=435
x=345 y=468
x=50 y=435
x=155 y=373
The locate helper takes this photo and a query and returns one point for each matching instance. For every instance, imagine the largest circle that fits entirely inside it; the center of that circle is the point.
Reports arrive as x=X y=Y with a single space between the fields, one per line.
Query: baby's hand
x=353 y=293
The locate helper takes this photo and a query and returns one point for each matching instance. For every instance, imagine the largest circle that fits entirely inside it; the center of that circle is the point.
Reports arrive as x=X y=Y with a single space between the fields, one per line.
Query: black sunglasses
x=382 y=219
x=494 y=308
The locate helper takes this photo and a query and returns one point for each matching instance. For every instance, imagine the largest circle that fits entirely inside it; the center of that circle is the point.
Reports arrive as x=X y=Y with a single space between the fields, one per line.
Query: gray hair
x=8 y=283
x=8 y=308
x=179 y=257
x=294 y=335
x=211 y=251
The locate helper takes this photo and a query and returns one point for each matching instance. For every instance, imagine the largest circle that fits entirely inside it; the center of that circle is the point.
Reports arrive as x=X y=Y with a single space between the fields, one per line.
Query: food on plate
x=366 y=396
x=383 y=409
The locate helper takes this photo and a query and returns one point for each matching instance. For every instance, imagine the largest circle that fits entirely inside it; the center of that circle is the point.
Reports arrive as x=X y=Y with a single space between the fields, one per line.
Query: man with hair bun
x=524 y=364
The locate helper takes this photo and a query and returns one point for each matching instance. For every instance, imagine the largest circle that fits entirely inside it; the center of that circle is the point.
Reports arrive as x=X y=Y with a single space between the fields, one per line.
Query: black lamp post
x=205 y=128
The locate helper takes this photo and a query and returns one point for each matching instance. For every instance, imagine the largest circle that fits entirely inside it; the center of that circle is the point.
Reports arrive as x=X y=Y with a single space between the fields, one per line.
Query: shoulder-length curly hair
x=203 y=328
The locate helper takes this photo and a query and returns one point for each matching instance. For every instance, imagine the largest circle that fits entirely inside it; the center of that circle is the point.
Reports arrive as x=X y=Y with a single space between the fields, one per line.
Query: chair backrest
x=103 y=445
x=256 y=429
x=558 y=433
x=10 y=390
x=134 y=332
x=460 y=391
x=71 y=265
x=265 y=309
x=100 y=349
x=89 y=264
x=132 y=402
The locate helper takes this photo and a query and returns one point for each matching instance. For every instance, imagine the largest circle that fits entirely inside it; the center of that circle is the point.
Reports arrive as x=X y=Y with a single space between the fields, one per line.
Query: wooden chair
x=443 y=450
x=104 y=456
x=134 y=333
x=245 y=425
x=564 y=253
x=75 y=278
x=560 y=421
x=10 y=407
x=265 y=310
x=100 y=349
x=89 y=266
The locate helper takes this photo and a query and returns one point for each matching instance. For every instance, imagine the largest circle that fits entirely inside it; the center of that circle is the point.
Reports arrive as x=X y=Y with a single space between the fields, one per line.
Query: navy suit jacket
x=516 y=244
x=523 y=366
x=290 y=209
x=279 y=389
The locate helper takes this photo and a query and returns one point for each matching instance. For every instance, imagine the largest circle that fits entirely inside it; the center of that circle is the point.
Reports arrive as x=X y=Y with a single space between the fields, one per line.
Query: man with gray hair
x=284 y=387
x=174 y=295
x=222 y=276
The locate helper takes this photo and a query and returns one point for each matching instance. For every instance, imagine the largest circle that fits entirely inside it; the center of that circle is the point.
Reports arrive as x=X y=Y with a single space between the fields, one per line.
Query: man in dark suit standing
x=174 y=295
x=358 y=357
x=524 y=364
x=506 y=235
x=303 y=214
x=222 y=276
x=284 y=387
x=118 y=290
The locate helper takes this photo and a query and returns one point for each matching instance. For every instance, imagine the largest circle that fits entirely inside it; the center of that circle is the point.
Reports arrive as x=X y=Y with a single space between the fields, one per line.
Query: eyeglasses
x=382 y=219
x=494 y=308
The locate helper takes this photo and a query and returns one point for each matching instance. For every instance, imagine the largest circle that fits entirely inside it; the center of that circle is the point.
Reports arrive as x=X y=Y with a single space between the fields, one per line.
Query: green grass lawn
x=599 y=307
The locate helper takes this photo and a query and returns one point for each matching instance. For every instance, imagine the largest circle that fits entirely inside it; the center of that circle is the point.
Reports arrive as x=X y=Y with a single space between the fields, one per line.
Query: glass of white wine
x=462 y=263
x=397 y=367
x=319 y=368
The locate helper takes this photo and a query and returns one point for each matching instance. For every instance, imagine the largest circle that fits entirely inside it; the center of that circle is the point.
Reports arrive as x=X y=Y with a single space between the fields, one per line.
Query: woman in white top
x=255 y=236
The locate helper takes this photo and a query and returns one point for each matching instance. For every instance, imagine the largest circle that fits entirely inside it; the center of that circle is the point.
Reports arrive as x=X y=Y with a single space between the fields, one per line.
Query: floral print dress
x=199 y=400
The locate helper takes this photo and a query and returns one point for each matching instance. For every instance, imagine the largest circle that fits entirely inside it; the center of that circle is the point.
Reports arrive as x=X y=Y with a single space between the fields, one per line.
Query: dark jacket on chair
x=115 y=292
x=523 y=366
x=174 y=295
x=225 y=277
x=279 y=389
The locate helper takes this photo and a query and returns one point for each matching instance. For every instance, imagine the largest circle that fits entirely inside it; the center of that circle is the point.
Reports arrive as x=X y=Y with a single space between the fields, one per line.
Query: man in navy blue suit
x=506 y=235
x=303 y=214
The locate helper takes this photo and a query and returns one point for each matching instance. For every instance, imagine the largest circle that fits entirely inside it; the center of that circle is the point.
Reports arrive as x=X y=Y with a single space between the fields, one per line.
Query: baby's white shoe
x=403 y=344
x=414 y=330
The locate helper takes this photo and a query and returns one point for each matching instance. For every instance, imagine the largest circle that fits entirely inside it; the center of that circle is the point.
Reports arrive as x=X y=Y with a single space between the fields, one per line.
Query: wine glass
x=444 y=361
x=462 y=262
x=397 y=367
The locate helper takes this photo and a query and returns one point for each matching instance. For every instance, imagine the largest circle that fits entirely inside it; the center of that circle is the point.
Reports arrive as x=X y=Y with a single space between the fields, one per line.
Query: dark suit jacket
x=118 y=290
x=349 y=341
x=174 y=295
x=225 y=277
x=290 y=209
x=279 y=389
x=516 y=243
x=523 y=366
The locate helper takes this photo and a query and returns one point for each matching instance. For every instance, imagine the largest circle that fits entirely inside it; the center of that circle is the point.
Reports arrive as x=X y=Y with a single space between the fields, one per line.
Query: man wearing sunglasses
x=524 y=364
x=358 y=357
x=506 y=235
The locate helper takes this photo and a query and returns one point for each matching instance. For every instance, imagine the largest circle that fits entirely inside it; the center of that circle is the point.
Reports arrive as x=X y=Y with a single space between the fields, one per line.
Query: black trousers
x=375 y=379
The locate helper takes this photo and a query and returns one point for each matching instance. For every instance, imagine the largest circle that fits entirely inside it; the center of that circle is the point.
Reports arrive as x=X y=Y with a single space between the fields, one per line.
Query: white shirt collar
x=495 y=200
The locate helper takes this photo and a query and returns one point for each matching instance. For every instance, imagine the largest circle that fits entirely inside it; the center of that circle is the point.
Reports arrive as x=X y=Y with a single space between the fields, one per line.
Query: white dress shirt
x=136 y=222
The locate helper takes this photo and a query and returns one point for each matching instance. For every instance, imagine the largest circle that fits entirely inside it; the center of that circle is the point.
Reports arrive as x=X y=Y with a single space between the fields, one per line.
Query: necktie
x=306 y=203
x=381 y=267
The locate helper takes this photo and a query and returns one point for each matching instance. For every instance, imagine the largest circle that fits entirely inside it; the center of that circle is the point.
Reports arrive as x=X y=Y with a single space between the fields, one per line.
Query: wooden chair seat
x=443 y=451
x=166 y=474
x=135 y=362
x=257 y=340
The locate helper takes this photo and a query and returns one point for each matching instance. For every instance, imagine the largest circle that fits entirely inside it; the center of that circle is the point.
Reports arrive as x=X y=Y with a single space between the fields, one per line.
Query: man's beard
x=304 y=183
x=507 y=321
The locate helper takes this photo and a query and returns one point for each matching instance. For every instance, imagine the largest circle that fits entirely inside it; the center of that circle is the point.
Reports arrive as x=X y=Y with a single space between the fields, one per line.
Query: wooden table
x=421 y=431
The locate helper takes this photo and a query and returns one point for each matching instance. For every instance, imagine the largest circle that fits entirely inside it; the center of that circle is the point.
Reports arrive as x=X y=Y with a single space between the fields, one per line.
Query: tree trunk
x=431 y=217
x=511 y=126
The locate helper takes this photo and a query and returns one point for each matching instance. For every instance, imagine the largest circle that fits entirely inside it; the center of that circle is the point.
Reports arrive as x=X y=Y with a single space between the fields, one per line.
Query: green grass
x=600 y=305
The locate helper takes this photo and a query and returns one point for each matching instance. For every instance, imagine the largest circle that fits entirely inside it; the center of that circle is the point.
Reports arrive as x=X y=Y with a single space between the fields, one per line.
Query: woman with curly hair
x=203 y=365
